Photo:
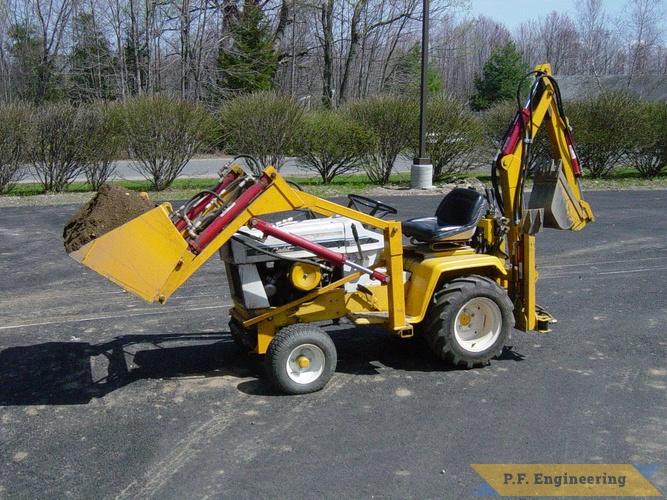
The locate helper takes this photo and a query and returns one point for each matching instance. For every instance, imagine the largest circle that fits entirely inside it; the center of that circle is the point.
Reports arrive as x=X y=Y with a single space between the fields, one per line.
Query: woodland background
x=315 y=50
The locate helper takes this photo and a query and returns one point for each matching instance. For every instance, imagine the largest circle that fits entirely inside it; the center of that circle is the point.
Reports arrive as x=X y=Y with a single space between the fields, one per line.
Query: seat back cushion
x=460 y=207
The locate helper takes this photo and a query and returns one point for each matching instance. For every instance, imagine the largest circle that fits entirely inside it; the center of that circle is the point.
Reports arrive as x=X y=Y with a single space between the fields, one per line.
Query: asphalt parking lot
x=105 y=396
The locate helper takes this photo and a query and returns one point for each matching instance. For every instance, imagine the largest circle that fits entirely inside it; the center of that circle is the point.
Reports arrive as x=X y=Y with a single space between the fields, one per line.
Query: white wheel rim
x=478 y=324
x=297 y=369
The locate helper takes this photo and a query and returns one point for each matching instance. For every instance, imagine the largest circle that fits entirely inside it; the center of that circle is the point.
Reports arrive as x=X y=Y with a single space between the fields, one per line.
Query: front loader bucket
x=140 y=255
x=552 y=192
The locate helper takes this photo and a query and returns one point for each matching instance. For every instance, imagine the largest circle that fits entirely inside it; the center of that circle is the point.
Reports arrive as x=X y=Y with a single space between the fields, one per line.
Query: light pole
x=421 y=172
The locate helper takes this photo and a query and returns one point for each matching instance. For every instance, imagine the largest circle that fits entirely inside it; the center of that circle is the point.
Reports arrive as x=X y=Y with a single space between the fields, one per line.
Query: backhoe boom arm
x=556 y=200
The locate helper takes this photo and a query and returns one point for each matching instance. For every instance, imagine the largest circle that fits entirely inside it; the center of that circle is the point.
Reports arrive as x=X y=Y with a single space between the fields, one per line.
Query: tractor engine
x=267 y=272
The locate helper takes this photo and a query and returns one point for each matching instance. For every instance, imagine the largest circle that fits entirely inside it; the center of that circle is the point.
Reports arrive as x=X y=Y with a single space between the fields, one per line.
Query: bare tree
x=327 y=22
x=597 y=42
x=459 y=48
x=554 y=39
x=527 y=39
x=203 y=48
x=5 y=89
x=113 y=17
x=354 y=57
x=642 y=29
x=366 y=20
x=40 y=27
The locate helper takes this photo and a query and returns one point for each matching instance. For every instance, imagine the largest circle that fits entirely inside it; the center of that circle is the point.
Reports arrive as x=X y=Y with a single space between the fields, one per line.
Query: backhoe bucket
x=551 y=192
x=139 y=256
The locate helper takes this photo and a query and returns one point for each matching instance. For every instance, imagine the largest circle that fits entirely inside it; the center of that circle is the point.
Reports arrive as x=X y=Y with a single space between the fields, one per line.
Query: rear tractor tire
x=470 y=321
x=300 y=359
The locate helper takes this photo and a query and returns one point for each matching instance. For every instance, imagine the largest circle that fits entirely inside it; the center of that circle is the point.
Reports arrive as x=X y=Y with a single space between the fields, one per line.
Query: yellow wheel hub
x=302 y=361
x=464 y=319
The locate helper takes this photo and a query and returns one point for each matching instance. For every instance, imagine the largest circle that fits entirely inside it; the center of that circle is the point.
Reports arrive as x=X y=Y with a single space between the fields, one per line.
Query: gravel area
x=81 y=198
x=45 y=200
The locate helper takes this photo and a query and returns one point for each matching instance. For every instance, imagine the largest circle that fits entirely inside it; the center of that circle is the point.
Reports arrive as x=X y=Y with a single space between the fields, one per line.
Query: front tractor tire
x=469 y=321
x=300 y=359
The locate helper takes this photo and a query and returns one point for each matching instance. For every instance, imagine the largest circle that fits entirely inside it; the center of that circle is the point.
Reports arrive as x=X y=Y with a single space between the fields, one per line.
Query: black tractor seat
x=455 y=219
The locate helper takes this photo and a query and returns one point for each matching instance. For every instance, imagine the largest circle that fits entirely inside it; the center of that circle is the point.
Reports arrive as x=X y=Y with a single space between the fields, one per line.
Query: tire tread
x=458 y=291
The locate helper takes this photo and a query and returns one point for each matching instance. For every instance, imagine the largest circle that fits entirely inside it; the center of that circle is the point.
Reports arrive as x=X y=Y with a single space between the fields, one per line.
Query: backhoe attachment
x=556 y=200
x=556 y=188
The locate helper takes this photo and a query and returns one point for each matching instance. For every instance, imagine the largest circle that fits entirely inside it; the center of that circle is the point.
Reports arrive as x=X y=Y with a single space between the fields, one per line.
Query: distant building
x=648 y=87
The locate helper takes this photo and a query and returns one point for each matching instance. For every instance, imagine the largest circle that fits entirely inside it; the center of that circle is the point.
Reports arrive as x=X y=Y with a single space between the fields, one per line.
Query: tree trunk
x=328 y=47
x=355 y=38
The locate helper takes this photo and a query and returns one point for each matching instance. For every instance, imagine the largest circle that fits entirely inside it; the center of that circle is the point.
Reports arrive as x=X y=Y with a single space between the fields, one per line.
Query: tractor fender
x=426 y=275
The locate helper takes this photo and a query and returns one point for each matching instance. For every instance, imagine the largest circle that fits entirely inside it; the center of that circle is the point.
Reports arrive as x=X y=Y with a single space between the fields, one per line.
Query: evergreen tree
x=136 y=61
x=501 y=74
x=30 y=71
x=90 y=61
x=247 y=63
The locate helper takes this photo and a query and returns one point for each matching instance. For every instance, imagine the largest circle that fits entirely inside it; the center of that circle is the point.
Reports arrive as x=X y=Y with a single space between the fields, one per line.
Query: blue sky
x=513 y=12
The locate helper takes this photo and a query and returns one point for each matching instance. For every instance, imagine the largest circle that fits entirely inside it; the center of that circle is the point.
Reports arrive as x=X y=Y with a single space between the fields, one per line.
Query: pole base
x=421 y=174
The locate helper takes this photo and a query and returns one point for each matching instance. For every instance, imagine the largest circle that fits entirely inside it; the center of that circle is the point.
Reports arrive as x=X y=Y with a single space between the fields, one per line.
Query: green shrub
x=331 y=144
x=647 y=152
x=56 y=146
x=455 y=136
x=395 y=123
x=496 y=121
x=603 y=129
x=264 y=125
x=14 y=120
x=105 y=143
x=163 y=133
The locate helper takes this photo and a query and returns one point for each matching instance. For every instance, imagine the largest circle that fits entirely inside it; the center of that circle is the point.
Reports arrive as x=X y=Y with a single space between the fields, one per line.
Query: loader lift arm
x=154 y=254
x=556 y=199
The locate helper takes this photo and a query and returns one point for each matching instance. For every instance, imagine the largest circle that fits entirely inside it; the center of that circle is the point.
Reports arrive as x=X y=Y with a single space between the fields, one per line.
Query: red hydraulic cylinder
x=515 y=133
x=569 y=140
x=203 y=203
x=336 y=258
x=229 y=215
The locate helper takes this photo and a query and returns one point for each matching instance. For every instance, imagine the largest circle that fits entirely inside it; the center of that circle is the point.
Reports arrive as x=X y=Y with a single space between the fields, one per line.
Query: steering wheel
x=377 y=207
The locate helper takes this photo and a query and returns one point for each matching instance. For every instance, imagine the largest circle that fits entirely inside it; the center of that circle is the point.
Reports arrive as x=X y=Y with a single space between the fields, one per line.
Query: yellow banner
x=595 y=480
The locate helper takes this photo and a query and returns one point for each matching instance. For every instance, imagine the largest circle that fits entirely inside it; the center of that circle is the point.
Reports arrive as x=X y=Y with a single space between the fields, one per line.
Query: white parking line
x=602 y=273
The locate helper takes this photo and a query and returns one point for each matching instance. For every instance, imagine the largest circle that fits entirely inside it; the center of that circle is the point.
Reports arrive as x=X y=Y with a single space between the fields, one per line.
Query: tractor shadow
x=71 y=373
x=364 y=350
x=74 y=373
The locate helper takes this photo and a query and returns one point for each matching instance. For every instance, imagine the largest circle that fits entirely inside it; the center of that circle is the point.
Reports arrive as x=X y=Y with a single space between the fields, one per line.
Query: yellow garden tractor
x=462 y=278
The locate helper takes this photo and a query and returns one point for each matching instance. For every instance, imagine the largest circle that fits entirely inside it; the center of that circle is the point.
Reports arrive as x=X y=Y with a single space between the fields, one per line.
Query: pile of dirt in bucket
x=110 y=208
